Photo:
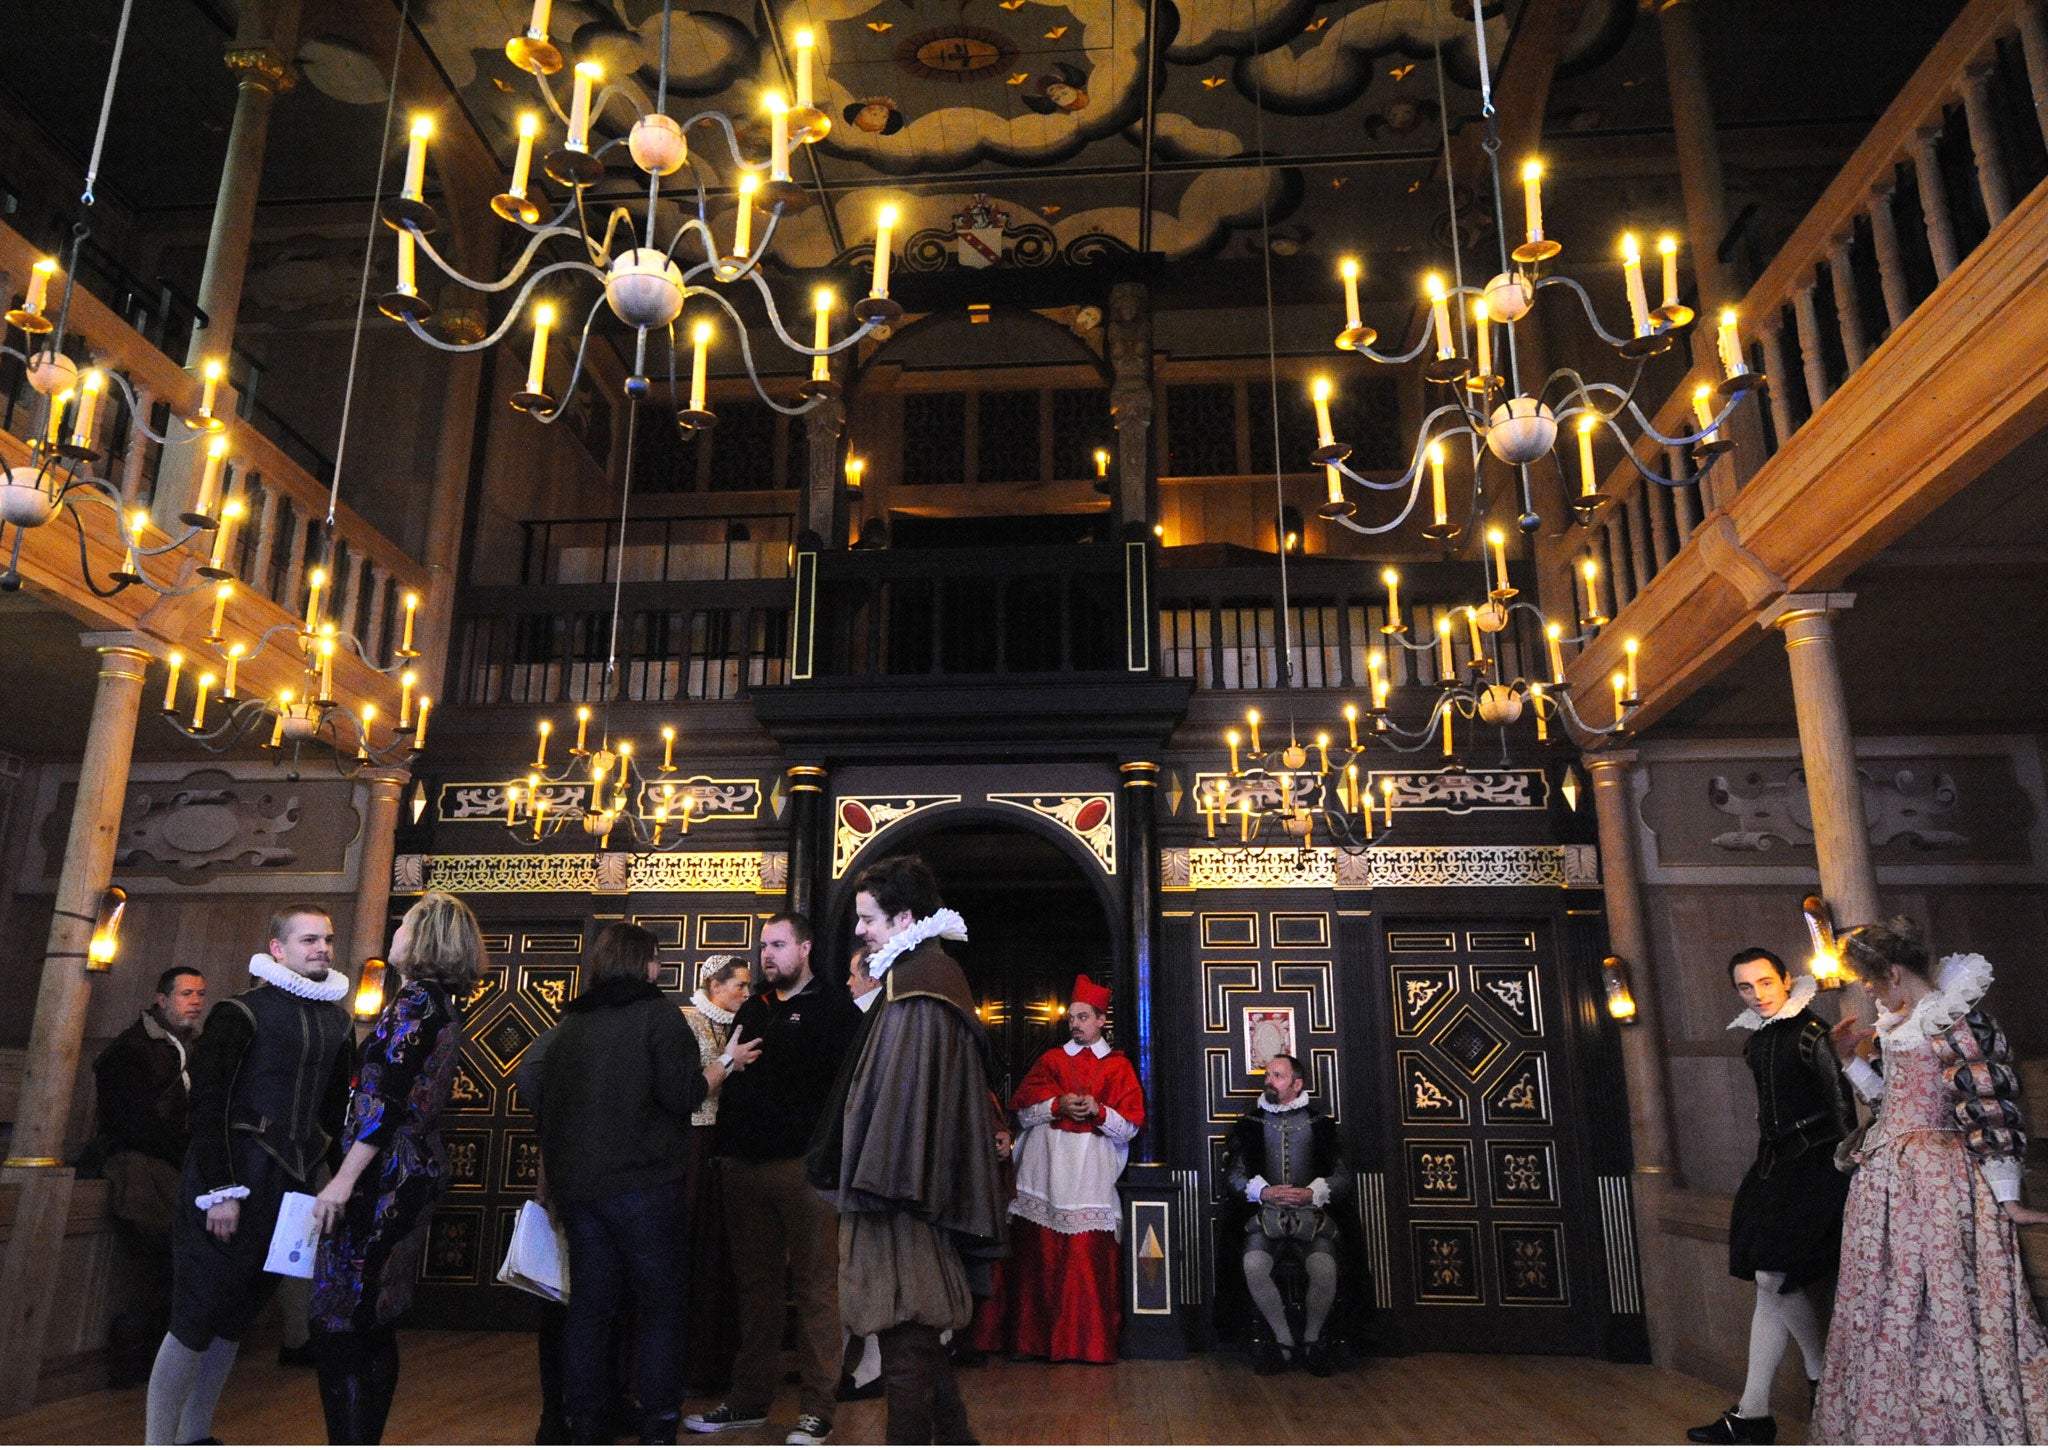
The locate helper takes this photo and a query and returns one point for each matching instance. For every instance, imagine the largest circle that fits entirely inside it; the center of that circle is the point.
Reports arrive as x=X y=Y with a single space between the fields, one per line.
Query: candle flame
x=582 y=712
x=46 y=265
x=1389 y=576
x=1631 y=646
x=749 y=183
x=412 y=600
x=1727 y=317
x=821 y=300
x=529 y=125
x=1667 y=244
x=1495 y=536
x=319 y=578
x=1532 y=170
x=423 y=127
x=1436 y=454
x=1434 y=286
x=701 y=333
x=774 y=102
x=544 y=316
x=218 y=448
x=141 y=520
x=1701 y=393
x=1554 y=630
x=590 y=70
x=1588 y=422
x=805 y=40
x=668 y=732
x=1629 y=250
x=1589 y=568
x=886 y=216
x=1479 y=312
x=1320 y=390
x=237 y=650
x=212 y=369
x=1348 y=267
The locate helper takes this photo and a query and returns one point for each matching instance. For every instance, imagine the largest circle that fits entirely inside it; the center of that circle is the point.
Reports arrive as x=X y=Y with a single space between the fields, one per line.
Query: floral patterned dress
x=1935 y=1340
x=366 y=1269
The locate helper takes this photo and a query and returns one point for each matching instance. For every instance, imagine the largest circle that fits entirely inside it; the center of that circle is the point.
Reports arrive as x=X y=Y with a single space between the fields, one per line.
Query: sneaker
x=1734 y=1429
x=725 y=1417
x=810 y=1430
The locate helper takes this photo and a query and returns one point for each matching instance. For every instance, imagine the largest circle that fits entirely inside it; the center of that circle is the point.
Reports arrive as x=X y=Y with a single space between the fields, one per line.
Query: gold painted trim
x=33 y=1163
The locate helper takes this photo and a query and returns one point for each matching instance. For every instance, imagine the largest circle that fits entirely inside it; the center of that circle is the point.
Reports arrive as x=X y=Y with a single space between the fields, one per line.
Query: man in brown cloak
x=910 y=1162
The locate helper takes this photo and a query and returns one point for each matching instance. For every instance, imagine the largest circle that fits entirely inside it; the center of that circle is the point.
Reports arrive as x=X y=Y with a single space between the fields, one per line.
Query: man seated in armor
x=1285 y=1163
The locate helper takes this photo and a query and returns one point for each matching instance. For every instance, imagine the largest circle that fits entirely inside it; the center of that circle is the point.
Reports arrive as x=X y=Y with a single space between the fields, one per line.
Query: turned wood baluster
x=1848 y=302
x=1689 y=503
x=2034 y=46
x=266 y=534
x=1638 y=509
x=1660 y=521
x=373 y=632
x=1811 y=358
x=1891 y=268
x=1941 y=232
x=294 y=563
x=1772 y=332
x=1984 y=142
x=1616 y=556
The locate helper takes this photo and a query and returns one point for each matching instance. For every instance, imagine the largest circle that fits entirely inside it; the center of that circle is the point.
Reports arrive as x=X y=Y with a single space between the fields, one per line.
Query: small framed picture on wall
x=1268 y=1031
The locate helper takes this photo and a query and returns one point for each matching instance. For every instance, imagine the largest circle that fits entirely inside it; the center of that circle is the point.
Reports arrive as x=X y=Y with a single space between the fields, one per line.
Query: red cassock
x=1065 y=1220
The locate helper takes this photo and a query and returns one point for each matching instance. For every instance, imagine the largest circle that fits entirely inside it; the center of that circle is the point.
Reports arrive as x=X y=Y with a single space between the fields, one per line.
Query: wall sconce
x=106 y=930
x=1826 y=965
x=370 y=989
x=1621 y=1002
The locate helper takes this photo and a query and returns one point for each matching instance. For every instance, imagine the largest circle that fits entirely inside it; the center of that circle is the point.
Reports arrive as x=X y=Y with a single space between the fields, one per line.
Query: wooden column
x=1984 y=143
x=1941 y=232
x=1642 y=1041
x=1699 y=153
x=1660 y=521
x=1138 y=984
x=373 y=864
x=28 y=1273
x=138 y=445
x=808 y=837
x=2034 y=46
x=262 y=73
x=1891 y=268
x=294 y=565
x=1834 y=791
x=373 y=630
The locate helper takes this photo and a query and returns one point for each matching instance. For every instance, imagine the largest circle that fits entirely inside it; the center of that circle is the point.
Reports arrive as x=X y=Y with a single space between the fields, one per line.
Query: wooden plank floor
x=479 y=1388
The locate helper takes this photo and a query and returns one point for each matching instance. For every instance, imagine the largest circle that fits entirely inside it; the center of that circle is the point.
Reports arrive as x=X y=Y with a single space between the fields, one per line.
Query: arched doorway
x=1034 y=919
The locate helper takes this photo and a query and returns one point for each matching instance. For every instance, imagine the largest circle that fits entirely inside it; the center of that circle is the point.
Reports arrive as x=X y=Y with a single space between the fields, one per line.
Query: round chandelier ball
x=51 y=373
x=1491 y=617
x=657 y=144
x=1509 y=297
x=1523 y=431
x=1499 y=705
x=645 y=288
x=23 y=502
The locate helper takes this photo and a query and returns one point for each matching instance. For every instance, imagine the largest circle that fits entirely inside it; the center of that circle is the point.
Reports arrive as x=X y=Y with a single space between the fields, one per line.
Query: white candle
x=1703 y=411
x=1729 y=341
x=284 y=705
x=419 y=739
x=884 y=220
x=700 y=343
x=412 y=608
x=211 y=391
x=88 y=409
x=405 y=683
x=221 y=596
x=176 y=662
x=778 y=138
x=1629 y=648
x=405 y=263
x=1320 y=392
x=1485 y=331
x=318 y=582
x=743 y=220
x=1440 y=313
x=1588 y=483
x=587 y=72
x=805 y=41
x=1499 y=541
x=199 y=704
x=1590 y=571
x=537 y=27
x=1348 y=269
x=1392 y=580
x=821 y=366
x=1436 y=484
x=522 y=162
x=1667 y=247
x=209 y=474
x=1532 y=198
x=1632 y=274
x=39 y=283
x=1554 y=633
x=235 y=653
x=1334 y=481
x=537 y=362
x=416 y=158
x=327 y=669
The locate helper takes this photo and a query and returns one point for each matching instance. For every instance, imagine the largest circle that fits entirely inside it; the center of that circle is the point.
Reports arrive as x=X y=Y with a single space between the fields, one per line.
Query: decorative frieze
x=1268 y=868
x=590 y=873
x=1088 y=817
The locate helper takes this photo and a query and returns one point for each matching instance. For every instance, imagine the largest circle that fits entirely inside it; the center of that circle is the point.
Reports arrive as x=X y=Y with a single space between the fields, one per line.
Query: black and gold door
x=1492 y=1206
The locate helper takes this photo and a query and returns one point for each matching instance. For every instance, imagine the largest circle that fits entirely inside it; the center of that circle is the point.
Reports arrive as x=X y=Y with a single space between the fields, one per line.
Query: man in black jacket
x=781 y=1229
x=143 y=1079
x=614 y=1094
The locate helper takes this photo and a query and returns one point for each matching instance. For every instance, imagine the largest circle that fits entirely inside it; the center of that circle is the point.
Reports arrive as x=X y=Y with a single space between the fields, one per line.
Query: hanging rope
x=1272 y=362
x=99 y=140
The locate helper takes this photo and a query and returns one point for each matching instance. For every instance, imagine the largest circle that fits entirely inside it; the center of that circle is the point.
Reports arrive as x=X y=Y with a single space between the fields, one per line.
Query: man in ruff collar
x=907 y=1157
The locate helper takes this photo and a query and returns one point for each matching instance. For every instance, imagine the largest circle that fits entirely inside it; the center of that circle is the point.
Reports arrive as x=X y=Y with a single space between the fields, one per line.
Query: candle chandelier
x=614 y=793
x=644 y=284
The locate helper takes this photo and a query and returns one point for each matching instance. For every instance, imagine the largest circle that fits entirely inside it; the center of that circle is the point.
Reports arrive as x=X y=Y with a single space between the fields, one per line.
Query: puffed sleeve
x=392 y=1061
x=1977 y=1063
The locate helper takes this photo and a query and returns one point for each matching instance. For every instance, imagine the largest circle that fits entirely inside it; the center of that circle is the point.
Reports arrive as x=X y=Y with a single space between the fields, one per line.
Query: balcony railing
x=1938 y=172
x=657 y=550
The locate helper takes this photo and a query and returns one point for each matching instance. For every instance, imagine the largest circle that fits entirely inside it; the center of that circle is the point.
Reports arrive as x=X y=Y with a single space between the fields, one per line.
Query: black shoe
x=660 y=1429
x=1268 y=1357
x=1812 y=1395
x=725 y=1417
x=296 y=1356
x=553 y=1430
x=874 y=1389
x=1734 y=1429
x=1320 y=1358
x=965 y=1355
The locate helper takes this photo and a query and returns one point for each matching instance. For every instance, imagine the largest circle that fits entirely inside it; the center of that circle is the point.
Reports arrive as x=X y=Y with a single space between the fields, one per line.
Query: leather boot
x=341 y=1395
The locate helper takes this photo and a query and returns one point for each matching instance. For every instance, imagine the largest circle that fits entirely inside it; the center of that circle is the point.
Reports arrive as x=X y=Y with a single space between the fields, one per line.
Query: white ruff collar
x=1100 y=1048
x=330 y=988
x=945 y=922
x=1960 y=982
x=1803 y=989
x=710 y=1009
x=1293 y=1105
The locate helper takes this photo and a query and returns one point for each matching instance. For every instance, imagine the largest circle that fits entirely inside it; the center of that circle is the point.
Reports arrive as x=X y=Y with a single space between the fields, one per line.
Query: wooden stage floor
x=479 y=1388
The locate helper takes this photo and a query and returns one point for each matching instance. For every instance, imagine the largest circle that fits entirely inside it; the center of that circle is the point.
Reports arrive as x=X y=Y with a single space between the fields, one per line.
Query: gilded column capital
x=262 y=66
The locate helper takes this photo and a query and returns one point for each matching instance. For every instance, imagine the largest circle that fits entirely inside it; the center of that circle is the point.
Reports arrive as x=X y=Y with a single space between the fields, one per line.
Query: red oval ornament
x=856 y=817
x=1091 y=815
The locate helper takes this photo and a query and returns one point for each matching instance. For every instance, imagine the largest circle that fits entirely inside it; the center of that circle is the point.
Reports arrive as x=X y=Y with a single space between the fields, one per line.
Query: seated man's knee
x=1258 y=1264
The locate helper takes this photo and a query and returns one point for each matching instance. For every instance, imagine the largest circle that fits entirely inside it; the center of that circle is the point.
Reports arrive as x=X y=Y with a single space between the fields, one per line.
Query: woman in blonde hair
x=712 y=1334
x=1935 y=1338
x=373 y=1214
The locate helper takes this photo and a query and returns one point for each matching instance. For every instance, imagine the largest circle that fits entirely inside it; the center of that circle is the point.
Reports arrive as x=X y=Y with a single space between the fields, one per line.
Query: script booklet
x=294 y=1241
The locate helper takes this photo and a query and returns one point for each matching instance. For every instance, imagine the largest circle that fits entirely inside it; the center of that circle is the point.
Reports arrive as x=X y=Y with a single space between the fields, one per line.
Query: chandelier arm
x=694 y=224
x=547 y=96
x=732 y=137
x=611 y=231
x=512 y=314
x=1571 y=712
x=237 y=720
x=82 y=489
x=1684 y=440
x=1585 y=301
x=511 y=278
x=747 y=356
x=576 y=372
x=85 y=565
x=136 y=422
x=1423 y=440
x=775 y=322
x=1394 y=359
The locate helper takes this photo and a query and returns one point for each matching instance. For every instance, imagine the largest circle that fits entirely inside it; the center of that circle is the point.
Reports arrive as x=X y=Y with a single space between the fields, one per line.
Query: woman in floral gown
x=373 y=1215
x=1935 y=1340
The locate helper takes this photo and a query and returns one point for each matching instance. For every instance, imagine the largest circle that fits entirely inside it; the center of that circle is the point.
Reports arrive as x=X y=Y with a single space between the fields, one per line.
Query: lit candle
x=537 y=362
x=1620 y=683
x=1536 y=705
x=1351 y=719
x=537 y=27
x=1532 y=198
x=1703 y=411
x=587 y=72
x=235 y=653
x=582 y=727
x=1319 y=390
x=1590 y=571
x=1334 y=481
x=668 y=747
x=326 y=669
x=540 y=758
x=199 y=704
x=416 y=158
x=57 y=406
x=806 y=42
x=1251 y=718
x=405 y=683
x=1446 y=664
x=854 y=468
x=1231 y=738
x=39 y=284
x=539 y=805
x=511 y=805
x=700 y=341
x=1387 y=797
x=412 y=607
x=1440 y=312
x=406 y=281
x=229 y=512
x=1348 y=270
x=1485 y=332
x=176 y=662
x=1632 y=274
x=1450 y=711
x=1209 y=814
x=221 y=596
x=522 y=160
x=884 y=220
x=1589 y=484
x=743 y=218
x=1244 y=819
x=1478 y=640
x=689 y=805
x=284 y=705
x=419 y=739
x=1499 y=541
x=1629 y=647
x=88 y=408
x=1436 y=484
x=821 y=336
x=209 y=474
x=210 y=391
x=1394 y=625
x=1102 y=463
x=1667 y=247
x=363 y=733
x=1375 y=664
x=778 y=137
x=1351 y=794
x=318 y=582
x=1554 y=632
x=1729 y=341
x=1323 y=749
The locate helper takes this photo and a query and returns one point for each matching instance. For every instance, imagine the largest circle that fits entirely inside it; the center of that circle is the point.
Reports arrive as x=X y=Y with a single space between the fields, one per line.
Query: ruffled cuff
x=2003 y=1174
x=1319 y=1192
x=220 y=1196
x=1255 y=1188
x=1868 y=1082
x=1116 y=1127
x=1035 y=1116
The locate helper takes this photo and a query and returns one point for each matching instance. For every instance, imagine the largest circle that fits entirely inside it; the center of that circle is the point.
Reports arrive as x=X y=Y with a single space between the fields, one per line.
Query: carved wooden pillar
x=1130 y=398
x=1660 y=521
x=809 y=844
x=373 y=873
x=373 y=631
x=294 y=564
x=1699 y=152
x=1941 y=232
x=1811 y=358
x=266 y=539
x=1834 y=790
x=138 y=446
x=2034 y=46
x=1772 y=334
x=1891 y=268
x=1984 y=143
x=1848 y=303
x=263 y=73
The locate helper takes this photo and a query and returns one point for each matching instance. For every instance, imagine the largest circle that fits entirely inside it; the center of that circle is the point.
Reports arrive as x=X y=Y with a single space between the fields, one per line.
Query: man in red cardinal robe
x=1078 y=1109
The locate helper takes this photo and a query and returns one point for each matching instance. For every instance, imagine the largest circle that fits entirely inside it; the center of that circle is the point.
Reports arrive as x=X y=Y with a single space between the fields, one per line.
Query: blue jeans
x=628 y=1245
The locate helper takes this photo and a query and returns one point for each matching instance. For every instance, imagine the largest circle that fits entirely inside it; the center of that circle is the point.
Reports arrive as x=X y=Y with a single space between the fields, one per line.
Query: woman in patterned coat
x=373 y=1214
x=1935 y=1339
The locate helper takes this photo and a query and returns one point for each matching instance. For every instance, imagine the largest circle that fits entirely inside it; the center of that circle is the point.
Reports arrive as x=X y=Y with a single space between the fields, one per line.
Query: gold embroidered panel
x=611 y=872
